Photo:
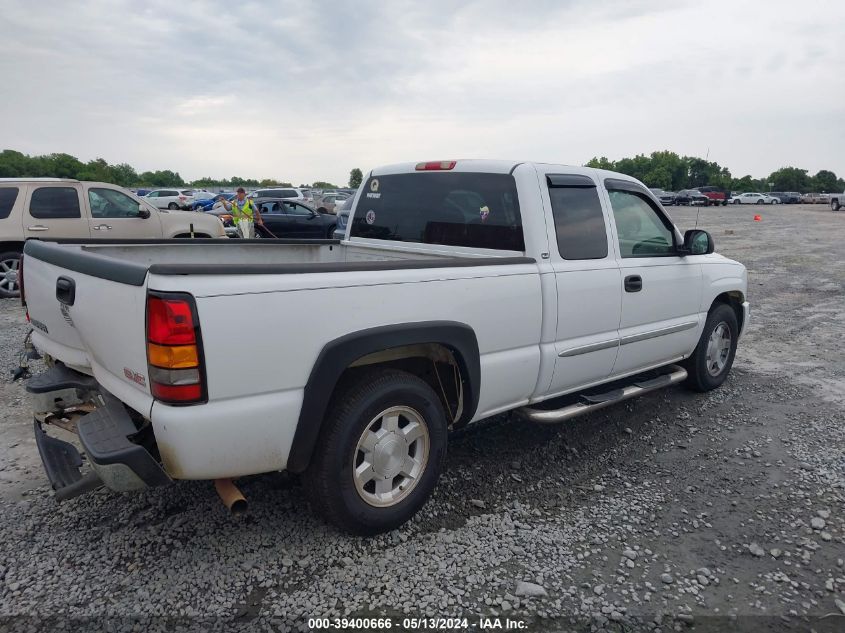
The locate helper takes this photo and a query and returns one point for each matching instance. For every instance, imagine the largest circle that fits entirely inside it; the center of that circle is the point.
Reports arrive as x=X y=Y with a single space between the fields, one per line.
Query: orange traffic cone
x=758 y=218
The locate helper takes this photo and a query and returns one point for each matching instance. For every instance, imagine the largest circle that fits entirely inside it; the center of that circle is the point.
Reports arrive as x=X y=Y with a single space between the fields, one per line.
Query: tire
x=9 y=282
x=834 y=205
x=359 y=409
x=760 y=201
x=330 y=232
x=708 y=368
x=173 y=206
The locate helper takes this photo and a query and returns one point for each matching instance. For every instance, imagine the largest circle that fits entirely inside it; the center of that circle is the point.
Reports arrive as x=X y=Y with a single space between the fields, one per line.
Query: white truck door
x=661 y=291
x=587 y=278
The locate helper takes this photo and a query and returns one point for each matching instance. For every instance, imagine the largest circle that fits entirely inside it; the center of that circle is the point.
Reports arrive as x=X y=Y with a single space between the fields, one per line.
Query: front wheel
x=9 y=281
x=711 y=362
x=380 y=452
x=834 y=205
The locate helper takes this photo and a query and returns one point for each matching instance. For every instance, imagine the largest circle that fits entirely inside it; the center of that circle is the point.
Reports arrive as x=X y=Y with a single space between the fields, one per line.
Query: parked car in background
x=715 y=195
x=754 y=198
x=691 y=197
x=288 y=218
x=343 y=211
x=667 y=198
x=171 y=198
x=329 y=202
x=287 y=193
x=57 y=208
x=814 y=198
x=208 y=204
x=785 y=197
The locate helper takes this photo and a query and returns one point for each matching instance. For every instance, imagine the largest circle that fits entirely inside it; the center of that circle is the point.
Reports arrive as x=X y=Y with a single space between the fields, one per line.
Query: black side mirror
x=697 y=242
x=143 y=212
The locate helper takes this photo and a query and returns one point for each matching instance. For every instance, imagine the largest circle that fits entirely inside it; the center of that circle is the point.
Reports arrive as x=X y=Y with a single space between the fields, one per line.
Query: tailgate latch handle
x=66 y=290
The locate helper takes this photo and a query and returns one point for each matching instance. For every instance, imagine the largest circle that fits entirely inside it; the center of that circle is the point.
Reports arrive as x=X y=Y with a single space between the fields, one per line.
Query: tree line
x=671 y=172
x=14 y=164
x=666 y=170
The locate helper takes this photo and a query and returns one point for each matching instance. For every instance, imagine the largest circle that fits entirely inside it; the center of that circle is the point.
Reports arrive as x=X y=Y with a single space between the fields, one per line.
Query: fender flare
x=338 y=354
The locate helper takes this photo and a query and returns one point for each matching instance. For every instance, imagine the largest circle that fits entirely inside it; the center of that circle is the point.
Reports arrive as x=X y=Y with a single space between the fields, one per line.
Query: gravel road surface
x=675 y=511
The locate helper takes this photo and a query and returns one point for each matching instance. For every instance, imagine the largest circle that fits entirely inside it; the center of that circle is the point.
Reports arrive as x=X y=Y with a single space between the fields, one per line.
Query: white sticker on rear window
x=370 y=217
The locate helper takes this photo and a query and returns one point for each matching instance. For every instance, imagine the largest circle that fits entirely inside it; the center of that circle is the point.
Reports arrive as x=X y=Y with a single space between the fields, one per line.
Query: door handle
x=633 y=283
x=102 y=227
x=37 y=227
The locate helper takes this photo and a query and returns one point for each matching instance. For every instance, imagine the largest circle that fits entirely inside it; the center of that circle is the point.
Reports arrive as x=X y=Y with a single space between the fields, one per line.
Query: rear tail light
x=174 y=349
x=437 y=165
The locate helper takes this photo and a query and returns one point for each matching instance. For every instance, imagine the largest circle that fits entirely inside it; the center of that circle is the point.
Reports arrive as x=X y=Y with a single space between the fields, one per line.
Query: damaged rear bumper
x=107 y=433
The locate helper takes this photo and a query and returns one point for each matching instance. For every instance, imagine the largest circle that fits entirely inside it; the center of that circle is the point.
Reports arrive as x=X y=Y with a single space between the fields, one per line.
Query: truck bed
x=129 y=261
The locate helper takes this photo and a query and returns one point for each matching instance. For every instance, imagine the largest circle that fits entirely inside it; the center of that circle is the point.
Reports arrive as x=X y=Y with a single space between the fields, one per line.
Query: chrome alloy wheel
x=9 y=275
x=718 y=349
x=391 y=456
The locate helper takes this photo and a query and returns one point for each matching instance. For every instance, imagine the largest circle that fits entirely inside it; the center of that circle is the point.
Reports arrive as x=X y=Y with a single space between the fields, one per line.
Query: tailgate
x=88 y=311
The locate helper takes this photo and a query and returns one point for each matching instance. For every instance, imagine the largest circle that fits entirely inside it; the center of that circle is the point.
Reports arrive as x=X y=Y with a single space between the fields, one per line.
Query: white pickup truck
x=462 y=289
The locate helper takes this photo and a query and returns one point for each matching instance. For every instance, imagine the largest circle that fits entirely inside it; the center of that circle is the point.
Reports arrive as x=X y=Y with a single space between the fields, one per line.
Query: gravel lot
x=675 y=511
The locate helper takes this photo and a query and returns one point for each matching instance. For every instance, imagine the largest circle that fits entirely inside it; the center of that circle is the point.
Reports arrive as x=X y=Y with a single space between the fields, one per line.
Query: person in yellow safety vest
x=244 y=213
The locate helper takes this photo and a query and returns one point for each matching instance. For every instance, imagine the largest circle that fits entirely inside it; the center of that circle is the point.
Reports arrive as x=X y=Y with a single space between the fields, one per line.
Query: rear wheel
x=834 y=205
x=380 y=452
x=173 y=206
x=711 y=362
x=330 y=232
x=9 y=281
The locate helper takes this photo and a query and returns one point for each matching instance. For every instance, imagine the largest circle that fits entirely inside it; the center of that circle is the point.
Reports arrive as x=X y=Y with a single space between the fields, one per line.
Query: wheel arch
x=734 y=299
x=391 y=345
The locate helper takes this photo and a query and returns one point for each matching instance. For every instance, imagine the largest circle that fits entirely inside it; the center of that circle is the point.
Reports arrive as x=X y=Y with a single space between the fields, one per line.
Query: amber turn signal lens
x=173 y=356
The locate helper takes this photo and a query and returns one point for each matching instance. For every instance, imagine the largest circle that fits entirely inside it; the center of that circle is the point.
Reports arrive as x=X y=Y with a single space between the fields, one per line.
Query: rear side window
x=8 y=195
x=455 y=209
x=579 y=220
x=54 y=202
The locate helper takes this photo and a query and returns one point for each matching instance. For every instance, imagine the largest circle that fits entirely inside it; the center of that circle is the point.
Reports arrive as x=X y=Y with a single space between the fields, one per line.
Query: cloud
x=306 y=91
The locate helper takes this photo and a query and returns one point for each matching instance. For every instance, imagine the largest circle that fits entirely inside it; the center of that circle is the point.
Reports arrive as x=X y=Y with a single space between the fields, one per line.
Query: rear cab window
x=579 y=219
x=474 y=210
x=8 y=195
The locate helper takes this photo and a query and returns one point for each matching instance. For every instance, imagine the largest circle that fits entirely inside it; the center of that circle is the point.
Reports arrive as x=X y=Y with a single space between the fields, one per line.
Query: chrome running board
x=593 y=402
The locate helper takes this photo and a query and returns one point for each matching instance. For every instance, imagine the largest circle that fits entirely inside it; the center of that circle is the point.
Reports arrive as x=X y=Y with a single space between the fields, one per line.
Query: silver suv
x=52 y=208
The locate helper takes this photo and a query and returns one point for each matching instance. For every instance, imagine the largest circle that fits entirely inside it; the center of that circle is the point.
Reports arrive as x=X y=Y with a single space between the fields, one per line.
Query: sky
x=306 y=90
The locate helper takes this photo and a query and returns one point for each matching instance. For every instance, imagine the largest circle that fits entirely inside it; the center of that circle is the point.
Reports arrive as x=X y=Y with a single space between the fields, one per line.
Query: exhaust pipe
x=231 y=496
